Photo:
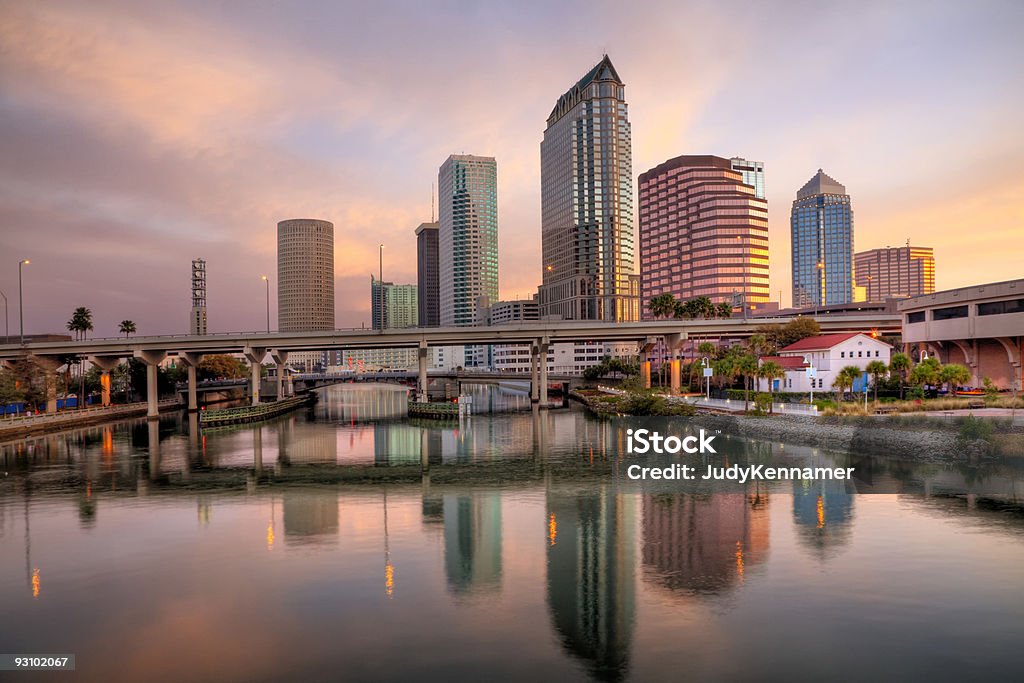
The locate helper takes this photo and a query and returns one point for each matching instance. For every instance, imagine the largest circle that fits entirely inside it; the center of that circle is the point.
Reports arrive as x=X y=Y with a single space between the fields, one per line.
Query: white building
x=564 y=358
x=827 y=354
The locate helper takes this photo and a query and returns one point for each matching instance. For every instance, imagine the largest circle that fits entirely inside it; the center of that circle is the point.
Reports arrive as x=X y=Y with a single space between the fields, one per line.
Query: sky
x=136 y=136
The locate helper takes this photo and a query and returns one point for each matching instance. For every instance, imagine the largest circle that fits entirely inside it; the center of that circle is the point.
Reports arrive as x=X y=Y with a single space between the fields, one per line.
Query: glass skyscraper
x=821 y=227
x=586 y=170
x=467 y=239
x=753 y=174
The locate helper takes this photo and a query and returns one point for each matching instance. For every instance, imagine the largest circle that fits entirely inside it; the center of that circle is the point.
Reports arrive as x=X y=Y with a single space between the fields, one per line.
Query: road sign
x=811 y=371
x=708 y=372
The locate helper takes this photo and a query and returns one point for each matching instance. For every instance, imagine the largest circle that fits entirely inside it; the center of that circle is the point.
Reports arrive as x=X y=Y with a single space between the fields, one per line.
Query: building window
x=915 y=317
x=1001 y=307
x=950 y=313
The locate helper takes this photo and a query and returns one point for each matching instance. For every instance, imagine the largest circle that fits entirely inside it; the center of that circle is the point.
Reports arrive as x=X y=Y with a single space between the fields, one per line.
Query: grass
x=829 y=406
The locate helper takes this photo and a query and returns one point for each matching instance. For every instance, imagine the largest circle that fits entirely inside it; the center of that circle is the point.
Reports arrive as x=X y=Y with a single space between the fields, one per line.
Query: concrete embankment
x=884 y=436
x=19 y=427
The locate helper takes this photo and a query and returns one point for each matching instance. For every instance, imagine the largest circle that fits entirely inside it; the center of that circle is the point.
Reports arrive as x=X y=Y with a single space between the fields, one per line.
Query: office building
x=753 y=174
x=895 y=272
x=427 y=272
x=821 y=228
x=198 y=318
x=399 y=307
x=305 y=275
x=514 y=310
x=587 y=201
x=467 y=238
x=703 y=232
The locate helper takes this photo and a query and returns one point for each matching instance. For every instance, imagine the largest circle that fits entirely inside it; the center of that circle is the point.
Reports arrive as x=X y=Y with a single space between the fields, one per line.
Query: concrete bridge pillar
x=105 y=364
x=542 y=352
x=254 y=355
x=673 y=342
x=280 y=359
x=534 y=373
x=49 y=366
x=152 y=359
x=191 y=362
x=421 y=382
x=645 y=362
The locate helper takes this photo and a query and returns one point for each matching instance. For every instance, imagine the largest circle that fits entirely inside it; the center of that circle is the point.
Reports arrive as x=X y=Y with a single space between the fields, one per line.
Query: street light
x=743 y=264
x=21 y=300
x=7 y=325
x=267 y=280
x=820 y=301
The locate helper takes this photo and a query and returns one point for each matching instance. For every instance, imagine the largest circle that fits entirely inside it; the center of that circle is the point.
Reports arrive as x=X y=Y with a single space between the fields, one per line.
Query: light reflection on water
x=156 y=552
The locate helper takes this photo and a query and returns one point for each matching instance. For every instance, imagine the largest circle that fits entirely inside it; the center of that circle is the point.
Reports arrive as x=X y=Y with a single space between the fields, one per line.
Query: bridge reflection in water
x=505 y=514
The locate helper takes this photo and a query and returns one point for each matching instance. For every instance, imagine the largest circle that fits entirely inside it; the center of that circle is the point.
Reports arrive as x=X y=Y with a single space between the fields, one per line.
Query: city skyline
x=115 y=179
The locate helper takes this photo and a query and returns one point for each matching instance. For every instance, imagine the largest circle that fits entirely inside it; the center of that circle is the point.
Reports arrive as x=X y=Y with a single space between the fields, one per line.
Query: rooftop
x=820 y=342
x=821 y=183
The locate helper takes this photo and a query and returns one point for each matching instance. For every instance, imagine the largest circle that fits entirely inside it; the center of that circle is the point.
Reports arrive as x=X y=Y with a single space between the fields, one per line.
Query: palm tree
x=954 y=375
x=770 y=370
x=703 y=307
x=928 y=371
x=746 y=367
x=877 y=369
x=127 y=327
x=662 y=306
x=725 y=309
x=845 y=378
x=900 y=364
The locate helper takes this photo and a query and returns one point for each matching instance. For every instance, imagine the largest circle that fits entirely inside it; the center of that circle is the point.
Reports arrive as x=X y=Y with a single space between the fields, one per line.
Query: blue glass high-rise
x=821 y=227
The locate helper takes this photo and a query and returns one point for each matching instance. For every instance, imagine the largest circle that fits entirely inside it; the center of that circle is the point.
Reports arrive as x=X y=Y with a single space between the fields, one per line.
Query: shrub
x=762 y=403
x=972 y=429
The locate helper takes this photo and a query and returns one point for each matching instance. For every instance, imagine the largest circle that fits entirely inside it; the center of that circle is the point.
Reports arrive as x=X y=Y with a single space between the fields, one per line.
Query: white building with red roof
x=819 y=359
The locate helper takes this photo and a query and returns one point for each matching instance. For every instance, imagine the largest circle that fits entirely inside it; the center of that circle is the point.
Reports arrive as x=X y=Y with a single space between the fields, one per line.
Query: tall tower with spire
x=821 y=227
x=586 y=169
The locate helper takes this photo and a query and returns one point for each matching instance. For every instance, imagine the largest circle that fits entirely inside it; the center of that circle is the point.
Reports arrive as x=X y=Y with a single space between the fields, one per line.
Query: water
x=315 y=548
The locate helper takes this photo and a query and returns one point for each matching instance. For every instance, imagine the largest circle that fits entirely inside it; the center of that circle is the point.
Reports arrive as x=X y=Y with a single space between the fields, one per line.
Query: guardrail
x=72 y=415
x=728 y=404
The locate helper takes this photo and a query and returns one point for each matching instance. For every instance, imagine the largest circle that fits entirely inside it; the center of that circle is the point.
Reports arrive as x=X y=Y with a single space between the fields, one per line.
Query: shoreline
x=925 y=443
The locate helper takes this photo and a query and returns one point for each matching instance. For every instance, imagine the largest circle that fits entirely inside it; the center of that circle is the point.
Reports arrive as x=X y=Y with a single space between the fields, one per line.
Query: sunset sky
x=136 y=136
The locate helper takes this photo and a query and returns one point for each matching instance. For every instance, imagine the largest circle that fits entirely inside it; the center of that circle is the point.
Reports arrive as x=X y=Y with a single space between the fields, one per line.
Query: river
x=345 y=542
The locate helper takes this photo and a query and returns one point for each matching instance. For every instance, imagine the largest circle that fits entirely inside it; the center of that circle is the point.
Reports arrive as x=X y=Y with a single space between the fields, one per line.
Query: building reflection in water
x=472 y=540
x=703 y=544
x=310 y=517
x=823 y=512
x=591 y=587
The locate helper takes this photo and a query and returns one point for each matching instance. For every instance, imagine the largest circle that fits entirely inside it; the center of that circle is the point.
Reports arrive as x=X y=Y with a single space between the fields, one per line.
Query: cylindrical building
x=305 y=275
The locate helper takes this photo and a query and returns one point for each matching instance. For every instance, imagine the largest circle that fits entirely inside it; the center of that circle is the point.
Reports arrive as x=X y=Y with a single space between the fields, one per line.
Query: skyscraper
x=427 y=266
x=821 y=226
x=305 y=275
x=703 y=232
x=467 y=238
x=753 y=174
x=586 y=170
x=198 y=319
x=895 y=271
x=399 y=308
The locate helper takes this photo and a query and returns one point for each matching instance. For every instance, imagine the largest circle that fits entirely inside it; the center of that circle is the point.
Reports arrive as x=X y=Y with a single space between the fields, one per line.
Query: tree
x=876 y=369
x=127 y=328
x=954 y=375
x=746 y=367
x=662 y=306
x=899 y=364
x=685 y=309
x=707 y=349
x=845 y=378
x=792 y=332
x=703 y=307
x=927 y=372
x=221 y=365
x=770 y=370
x=724 y=309
x=80 y=323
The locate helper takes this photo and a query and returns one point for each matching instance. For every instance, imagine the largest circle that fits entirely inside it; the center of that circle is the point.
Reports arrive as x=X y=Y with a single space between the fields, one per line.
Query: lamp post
x=21 y=301
x=267 y=280
x=743 y=264
x=820 y=300
x=7 y=325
